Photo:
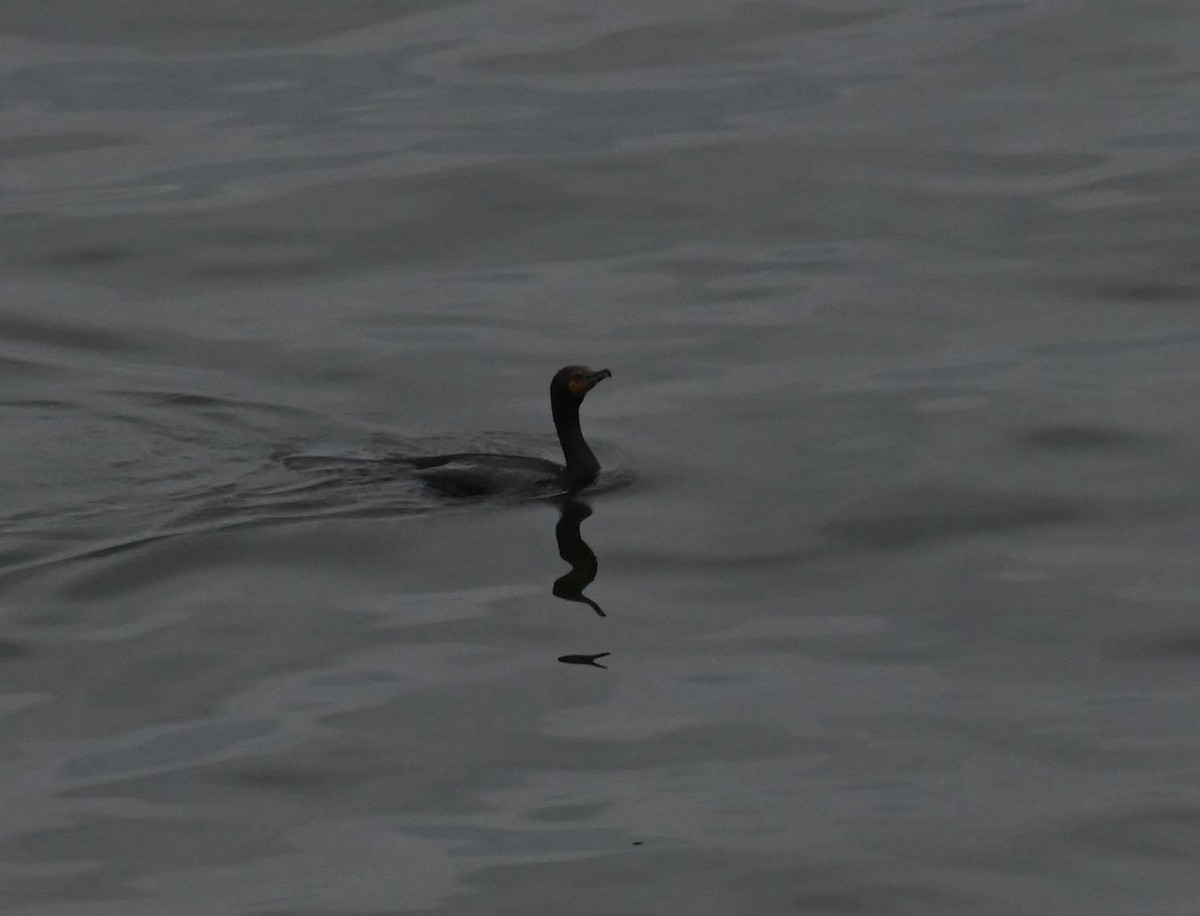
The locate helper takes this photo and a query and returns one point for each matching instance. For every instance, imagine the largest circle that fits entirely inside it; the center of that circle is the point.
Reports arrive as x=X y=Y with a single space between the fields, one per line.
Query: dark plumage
x=477 y=474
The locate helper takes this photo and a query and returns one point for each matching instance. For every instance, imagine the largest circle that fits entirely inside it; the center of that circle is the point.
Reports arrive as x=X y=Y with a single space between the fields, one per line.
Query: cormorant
x=471 y=474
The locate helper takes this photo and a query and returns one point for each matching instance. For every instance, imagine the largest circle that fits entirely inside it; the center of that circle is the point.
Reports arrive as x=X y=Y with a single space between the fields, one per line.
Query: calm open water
x=896 y=558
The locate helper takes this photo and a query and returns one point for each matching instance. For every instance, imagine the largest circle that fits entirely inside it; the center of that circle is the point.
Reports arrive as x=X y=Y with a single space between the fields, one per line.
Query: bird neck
x=582 y=466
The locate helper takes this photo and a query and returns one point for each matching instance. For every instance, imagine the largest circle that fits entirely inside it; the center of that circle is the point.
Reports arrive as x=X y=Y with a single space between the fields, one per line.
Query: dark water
x=895 y=563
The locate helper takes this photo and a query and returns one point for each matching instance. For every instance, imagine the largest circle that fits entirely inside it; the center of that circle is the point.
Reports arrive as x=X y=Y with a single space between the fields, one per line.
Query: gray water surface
x=894 y=560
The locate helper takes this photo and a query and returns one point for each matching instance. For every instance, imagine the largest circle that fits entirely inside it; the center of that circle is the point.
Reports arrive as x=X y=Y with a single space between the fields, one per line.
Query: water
x=895 y=566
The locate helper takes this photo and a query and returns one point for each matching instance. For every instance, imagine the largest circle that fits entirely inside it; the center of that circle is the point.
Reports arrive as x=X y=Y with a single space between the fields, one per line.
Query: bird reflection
x=573 y=549
x=569 y=586
x=584 y=659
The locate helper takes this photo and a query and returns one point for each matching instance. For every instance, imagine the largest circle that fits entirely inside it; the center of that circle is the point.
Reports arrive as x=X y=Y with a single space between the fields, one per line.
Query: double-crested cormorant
x=470 y=474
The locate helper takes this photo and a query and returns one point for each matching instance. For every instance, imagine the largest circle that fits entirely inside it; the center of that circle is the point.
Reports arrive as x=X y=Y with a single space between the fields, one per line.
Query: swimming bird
x=469 y=474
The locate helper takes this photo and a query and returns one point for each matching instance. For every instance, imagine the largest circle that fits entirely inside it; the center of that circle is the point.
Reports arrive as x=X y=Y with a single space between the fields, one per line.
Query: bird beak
x=582 y=384
x=596 y=378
